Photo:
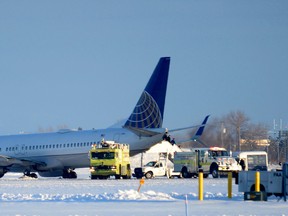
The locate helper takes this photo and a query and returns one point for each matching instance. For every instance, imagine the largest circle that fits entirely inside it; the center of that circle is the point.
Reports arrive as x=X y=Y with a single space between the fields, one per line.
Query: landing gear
x=2 y=172
x=69 y=173
x=31 y=175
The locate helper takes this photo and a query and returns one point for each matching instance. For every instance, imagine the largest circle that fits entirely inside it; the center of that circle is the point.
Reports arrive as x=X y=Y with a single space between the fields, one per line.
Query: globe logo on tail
x=146 y=113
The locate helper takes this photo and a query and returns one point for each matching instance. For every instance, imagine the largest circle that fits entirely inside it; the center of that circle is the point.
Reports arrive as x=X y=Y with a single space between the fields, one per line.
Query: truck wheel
x=214 y=171
x=148 y=175
x=126 y=177
x=93 y=177
x=184 y=173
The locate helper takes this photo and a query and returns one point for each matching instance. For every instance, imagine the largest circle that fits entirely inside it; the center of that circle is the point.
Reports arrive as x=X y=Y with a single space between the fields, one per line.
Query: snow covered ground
x=82 y=196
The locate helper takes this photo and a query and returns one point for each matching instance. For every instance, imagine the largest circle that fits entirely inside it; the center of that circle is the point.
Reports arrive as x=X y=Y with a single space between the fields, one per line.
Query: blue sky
x=85 y=63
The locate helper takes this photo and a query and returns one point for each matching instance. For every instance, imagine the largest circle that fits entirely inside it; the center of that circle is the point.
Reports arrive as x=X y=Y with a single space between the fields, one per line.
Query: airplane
x=57 y=154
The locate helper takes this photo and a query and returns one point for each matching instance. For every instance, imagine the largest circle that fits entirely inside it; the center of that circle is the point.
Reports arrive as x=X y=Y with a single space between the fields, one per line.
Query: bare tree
x=227 y=132
x=238 y=120
x=252 y=134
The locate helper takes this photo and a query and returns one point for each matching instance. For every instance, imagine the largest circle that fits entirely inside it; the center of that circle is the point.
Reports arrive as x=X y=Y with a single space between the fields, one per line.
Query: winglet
x=149 y=110
x=200 y=129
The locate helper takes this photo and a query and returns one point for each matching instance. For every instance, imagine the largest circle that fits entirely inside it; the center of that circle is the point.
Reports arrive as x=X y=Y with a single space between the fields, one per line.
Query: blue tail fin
x=149 y=110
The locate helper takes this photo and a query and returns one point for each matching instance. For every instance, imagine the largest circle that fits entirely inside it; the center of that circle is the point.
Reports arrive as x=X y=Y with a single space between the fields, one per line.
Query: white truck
x=253 y=160
x=157 y=169
x=213 y=160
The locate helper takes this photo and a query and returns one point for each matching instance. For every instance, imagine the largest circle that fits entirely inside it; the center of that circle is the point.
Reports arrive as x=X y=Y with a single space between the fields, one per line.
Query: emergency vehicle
x=213 y=160
x=110 y=159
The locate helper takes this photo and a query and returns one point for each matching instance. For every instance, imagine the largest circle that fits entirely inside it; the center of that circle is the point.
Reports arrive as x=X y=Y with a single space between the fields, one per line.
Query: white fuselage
x=66 y=149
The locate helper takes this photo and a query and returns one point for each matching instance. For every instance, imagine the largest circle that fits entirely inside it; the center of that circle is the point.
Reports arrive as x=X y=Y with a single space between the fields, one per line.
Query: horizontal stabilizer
x=144 y=132
x=189 y=130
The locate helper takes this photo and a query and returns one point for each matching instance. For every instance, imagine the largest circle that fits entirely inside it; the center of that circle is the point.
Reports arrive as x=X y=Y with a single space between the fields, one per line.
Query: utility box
x=273 y=182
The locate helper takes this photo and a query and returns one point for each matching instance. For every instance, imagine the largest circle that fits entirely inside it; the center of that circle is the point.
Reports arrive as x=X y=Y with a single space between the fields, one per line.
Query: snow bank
x=127 y=195
x=121 y=195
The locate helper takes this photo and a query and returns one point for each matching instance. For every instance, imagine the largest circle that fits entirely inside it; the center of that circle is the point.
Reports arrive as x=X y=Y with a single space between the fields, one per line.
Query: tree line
x=236 y=132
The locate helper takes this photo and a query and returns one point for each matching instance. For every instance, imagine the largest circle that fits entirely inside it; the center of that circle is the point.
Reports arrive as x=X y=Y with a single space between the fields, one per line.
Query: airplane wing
x=6 y=161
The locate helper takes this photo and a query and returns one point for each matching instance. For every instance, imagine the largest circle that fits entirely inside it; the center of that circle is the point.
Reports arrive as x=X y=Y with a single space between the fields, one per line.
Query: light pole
x=223 y=132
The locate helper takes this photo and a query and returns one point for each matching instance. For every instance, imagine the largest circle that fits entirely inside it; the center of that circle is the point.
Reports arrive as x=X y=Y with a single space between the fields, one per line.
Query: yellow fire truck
x=110 y=159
